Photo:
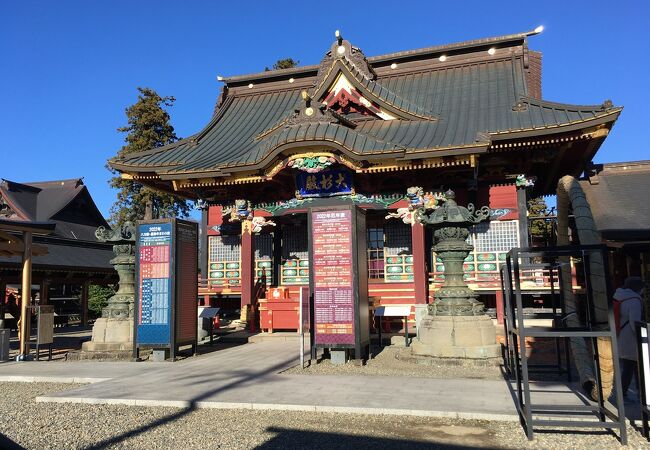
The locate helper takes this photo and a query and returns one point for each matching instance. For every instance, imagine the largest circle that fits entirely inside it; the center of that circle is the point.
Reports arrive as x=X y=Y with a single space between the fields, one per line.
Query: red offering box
x=279 y=315
x=277 y=294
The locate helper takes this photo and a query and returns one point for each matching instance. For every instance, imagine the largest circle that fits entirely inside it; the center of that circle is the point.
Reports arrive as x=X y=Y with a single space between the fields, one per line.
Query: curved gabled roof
x=362 y=77
x=465 y=102
x=65 y=202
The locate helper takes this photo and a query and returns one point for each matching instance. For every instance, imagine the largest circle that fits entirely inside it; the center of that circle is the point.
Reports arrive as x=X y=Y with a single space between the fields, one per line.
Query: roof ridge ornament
x=321 y=113
x=346 y=73
x=520 y=106
x=343 y=49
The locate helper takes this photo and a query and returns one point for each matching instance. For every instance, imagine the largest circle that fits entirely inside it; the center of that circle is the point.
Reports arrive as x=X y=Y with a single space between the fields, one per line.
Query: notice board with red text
x=166 y=284
x=338 y=275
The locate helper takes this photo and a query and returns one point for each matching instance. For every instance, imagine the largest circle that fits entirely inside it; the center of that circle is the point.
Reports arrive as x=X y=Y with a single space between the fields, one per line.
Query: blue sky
x=70 y=68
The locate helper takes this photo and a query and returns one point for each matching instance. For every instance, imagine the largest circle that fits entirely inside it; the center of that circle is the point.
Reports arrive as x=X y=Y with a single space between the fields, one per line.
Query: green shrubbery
x=98 y=298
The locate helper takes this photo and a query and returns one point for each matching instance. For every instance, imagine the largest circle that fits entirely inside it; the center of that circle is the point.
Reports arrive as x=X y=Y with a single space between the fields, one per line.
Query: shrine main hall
x=367 y=131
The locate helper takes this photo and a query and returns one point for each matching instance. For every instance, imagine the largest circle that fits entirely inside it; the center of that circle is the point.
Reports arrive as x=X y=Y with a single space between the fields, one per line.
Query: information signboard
x=333 y=288
x=45 y=325
x=155 y=283
x=338 y=286
x=166 y=280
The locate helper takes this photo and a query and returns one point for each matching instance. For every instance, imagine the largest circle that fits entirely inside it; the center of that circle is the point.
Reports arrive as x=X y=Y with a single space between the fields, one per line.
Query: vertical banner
x=333 y=283
x=155 y=284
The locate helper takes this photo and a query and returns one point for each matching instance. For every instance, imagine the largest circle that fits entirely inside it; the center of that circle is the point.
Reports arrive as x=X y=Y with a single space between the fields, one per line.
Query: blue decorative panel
x=325 y=183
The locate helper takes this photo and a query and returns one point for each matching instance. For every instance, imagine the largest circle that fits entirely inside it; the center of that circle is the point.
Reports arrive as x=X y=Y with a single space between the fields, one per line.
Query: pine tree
x=286 y=63
x=148 y=127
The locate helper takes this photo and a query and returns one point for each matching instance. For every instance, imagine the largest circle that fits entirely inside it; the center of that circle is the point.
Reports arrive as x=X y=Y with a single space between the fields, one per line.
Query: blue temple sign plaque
x=325 y=183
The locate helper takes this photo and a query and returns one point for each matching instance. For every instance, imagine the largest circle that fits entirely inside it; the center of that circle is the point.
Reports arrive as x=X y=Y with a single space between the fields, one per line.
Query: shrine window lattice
x=491 y=241
x=398 y=252
x=295 y=255
x=224 y=260
x=224 y=248
x=495 y=236
x=263 y=244
x=375 y=253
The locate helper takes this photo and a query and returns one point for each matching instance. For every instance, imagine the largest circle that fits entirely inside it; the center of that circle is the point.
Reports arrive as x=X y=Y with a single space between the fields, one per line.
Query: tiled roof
x=64 y=202
x=468 y=101
x=68 y=255
x=617 y=194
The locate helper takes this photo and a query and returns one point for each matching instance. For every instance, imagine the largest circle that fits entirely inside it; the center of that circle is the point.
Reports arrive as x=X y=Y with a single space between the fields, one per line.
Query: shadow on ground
x=243 y=378
x=8 y=444
x=290 y=438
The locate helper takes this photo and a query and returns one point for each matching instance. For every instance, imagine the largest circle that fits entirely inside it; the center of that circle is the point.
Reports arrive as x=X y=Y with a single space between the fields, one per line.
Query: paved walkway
x=247 y=377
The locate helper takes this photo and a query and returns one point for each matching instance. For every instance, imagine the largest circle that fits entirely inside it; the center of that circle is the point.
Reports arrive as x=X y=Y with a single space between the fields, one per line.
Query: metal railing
x=589 y=327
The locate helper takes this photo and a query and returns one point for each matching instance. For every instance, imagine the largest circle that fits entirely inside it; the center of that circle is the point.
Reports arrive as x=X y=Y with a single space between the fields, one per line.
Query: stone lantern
x=455 y=325
x=113 y=332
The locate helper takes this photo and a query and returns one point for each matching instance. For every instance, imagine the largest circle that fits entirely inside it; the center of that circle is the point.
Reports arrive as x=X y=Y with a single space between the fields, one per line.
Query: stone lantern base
x=472 y=337
x=111 y=335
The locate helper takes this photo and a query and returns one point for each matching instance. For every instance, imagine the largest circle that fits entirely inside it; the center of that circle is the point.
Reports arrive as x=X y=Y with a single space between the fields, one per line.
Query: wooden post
x=247 y=263
x=25 y=296
x=3 y=300
x=420 y=275
x=44 y=292
x=85 y=287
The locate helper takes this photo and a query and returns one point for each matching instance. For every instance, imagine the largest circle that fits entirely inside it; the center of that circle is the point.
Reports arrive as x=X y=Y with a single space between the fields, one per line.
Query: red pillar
x=247 y=263
x=420 y=275
x=499 y=306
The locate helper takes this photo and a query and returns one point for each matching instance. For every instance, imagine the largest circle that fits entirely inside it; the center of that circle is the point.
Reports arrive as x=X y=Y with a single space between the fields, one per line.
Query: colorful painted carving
x=523 y=182
x=417 y=199
x=432 y=200
x=415 y=196
x=404 y=214
x=384 y=200
x=240 y=211
x=312 y=164
x=261 y=222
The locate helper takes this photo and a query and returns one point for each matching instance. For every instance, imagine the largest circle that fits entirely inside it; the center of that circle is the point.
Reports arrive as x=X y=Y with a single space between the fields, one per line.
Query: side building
x=616 y=193
x=74 y=259
x=364 y=130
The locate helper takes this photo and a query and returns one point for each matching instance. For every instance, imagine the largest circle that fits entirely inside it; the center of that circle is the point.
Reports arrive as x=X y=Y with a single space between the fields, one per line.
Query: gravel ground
x=50 y=425
x=398 y=361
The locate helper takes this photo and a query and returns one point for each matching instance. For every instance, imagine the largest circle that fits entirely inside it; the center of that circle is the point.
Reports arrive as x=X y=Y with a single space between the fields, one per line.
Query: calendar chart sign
x=155 y=284
x=334 y=303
